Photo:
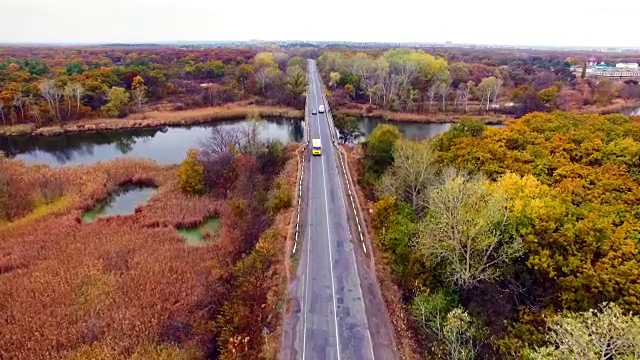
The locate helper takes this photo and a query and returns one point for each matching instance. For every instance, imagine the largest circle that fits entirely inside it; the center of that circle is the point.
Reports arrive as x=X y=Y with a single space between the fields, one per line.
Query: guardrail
x=301 y=154
x=343 y=161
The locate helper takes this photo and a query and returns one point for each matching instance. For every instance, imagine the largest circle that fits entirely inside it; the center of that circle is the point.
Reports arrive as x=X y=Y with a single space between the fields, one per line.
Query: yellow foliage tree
x=191 y=174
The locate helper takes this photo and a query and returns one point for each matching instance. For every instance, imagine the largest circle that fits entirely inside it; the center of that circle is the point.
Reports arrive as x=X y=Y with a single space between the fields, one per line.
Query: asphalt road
x=329 y=319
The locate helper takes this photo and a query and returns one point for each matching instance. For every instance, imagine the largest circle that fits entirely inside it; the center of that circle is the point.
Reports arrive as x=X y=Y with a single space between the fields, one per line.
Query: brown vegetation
x=127 y=287
x=56 y=85
x=157 y=118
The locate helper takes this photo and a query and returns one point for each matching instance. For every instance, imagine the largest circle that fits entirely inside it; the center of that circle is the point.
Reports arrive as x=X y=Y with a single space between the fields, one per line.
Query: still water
x=407 y=129
x=170 y=145
x=632 y=112
x=195 y=235
x=122 y=202
x=411 y=130
x=167 y=145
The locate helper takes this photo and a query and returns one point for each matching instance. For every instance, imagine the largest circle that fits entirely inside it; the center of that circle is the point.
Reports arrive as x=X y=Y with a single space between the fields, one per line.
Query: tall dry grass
x=114 y=287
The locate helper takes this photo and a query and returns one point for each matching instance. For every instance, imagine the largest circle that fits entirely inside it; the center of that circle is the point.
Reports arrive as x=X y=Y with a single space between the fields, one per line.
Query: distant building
x=633 y=66
x=620 y=71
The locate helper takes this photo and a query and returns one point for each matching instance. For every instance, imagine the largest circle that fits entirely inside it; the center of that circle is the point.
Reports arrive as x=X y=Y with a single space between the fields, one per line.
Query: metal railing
x=301 y=155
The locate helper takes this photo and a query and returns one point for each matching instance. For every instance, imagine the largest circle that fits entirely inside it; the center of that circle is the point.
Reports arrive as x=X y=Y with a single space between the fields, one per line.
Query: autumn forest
x=517 y=241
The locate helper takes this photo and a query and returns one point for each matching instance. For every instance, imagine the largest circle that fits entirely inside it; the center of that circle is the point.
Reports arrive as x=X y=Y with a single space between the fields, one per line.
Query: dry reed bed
x=157 y=119
x=110 y=287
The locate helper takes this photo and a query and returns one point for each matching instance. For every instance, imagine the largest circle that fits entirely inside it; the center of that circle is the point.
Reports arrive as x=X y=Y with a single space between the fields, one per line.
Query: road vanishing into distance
x=338 y=311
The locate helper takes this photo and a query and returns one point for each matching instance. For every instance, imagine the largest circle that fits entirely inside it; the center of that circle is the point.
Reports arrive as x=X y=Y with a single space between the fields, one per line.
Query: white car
x=321 y=108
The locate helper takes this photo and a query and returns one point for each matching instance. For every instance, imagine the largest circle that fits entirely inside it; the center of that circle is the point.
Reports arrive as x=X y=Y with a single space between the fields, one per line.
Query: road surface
x=330 y=318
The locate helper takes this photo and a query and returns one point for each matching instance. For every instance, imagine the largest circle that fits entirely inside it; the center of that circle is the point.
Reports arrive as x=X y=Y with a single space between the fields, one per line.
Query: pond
x=631 y=112
x=123 y=201
x=167 y=145
x=194 y=235
x=411 y=130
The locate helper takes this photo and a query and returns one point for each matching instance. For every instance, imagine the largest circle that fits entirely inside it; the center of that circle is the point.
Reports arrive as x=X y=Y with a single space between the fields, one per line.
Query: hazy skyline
x=545 y=22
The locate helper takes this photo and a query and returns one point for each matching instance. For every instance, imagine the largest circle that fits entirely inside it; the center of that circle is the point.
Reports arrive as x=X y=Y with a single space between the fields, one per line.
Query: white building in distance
x=633 y=66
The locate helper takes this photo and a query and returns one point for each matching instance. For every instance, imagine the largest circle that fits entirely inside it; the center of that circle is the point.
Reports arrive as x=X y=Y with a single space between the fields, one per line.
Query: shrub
x=279 y=199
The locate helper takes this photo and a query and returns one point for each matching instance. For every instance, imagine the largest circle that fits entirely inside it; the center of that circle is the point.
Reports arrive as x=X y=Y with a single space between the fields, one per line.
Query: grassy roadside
x=155 y=119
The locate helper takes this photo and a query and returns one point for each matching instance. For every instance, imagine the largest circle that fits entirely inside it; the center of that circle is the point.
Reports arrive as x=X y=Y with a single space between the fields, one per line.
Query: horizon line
x=448 y=43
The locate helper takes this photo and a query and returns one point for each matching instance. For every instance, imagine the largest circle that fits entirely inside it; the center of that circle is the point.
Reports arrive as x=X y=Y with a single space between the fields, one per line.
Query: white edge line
x=326 y=209
x=354 y=259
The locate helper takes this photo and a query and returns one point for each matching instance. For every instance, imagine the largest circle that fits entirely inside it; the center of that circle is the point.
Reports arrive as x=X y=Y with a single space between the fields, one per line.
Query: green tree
x=348 y=126
x=394 y=225
x=118 y=99
x=466 y=230
x=460 y=73
x=74 y=68
x=297 y=61
x=296 y=82
x=379 y=150
x=430 y=311
x=549 y=97
x=191 y=174
x=467 y=127
x=350 y=90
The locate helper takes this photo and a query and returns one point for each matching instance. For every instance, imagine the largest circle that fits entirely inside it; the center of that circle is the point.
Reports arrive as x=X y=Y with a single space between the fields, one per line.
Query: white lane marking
x=326 y=209
x=344 y=203
x=306 y=276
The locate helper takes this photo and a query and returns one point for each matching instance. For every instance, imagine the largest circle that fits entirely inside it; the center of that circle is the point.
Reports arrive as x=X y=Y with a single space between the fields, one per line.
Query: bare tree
x=262 y=77
x=73 y=92
x=464 y=93
x=432 y=92
x=465 y=230
x=444 y=89
x=68 y=95
x=4 y=121
x=242 y=139
x=412 y=173
x=34 y=110
x=51 y=93
x=18 y=101
x=606 y=333
x=489 y=89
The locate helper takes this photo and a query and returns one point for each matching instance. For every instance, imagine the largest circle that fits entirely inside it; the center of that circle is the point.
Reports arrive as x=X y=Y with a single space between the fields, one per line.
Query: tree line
x=513 y=243
x=44 y=85
x=410 y=80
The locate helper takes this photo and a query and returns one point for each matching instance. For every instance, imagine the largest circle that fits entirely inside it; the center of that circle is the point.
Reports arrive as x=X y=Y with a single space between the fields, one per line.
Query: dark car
x=313 y=111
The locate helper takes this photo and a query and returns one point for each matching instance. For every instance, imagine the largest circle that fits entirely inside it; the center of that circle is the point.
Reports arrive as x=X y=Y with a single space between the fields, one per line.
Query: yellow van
x=316 y=147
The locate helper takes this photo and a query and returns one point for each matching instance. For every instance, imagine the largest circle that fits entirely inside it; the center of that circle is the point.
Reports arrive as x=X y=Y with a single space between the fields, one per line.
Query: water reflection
x=122 y=202
x=632 y=112
x=407 y=129
x=166 y=145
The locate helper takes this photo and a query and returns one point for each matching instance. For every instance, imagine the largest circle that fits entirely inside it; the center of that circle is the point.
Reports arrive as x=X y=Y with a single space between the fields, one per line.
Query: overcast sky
x=540 y=22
